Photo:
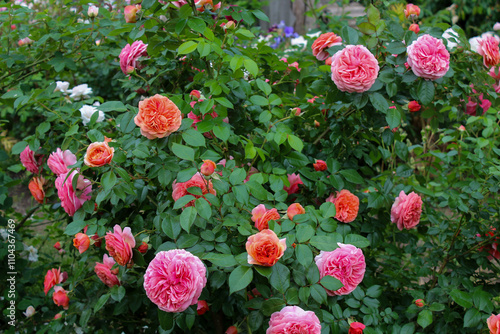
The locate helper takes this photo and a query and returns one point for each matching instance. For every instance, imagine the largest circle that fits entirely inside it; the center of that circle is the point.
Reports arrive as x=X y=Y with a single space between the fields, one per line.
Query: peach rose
x=346 y=205
x=323 y=42
x=494 y=324
x=264 y=248
x=488 y=48
x=208 y=167
x=130 y=13
x=320 y=166
x=158 y=117
x=36 y=188
x=415 y=28
x=103 y=271
x=406 y=210
x=30 y=160
x=180 y=188
x=354 y=69
x=81 y=242
x=119 y=244
x=60 y=297
x=428 y=57
x=295 y=209
x=99 y=154
x=412 y=11
x=261 y=216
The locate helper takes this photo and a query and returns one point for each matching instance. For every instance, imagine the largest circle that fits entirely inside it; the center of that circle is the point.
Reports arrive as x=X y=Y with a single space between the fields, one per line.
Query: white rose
x=80 y=91
x=62 y=86
x=87 y=112
x=29 y=311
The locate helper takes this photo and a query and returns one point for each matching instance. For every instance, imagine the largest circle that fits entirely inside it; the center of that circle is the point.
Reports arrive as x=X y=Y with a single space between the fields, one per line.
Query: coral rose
x=293 y=319
x=488 y=48
x=294 y=180
x=158 y=117
x=57 y=246
x=180 y=188
x=320 y=166
x=174 y=280
x=99 y=154
x=36 y=188
x=346 y=205
x=428 y=57
x=130 y=55
x=414 y=106
x=412 y=11
x=494 y=324
x=354 y=69
x=52 y=277
x=323 y=42
x=30 y=161
x=143 y=248
x=261 y=216
x=202 y=307
x=60 y=161
x=264 y=248
x=103 y=271
x=72 y=199
x=81 y=242
x=130 y=13
x=415 y=28
x=208 y=167
x=356 y=328
x=406 y=210
x=60 y=297
x=294 y=209
x=346 y=263
x=119 y=244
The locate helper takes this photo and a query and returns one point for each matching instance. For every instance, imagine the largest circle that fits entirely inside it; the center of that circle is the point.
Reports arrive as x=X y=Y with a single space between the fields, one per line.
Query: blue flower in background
x=277 y=42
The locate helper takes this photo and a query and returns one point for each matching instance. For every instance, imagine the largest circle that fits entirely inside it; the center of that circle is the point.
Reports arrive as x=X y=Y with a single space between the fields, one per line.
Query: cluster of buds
x=412 y=12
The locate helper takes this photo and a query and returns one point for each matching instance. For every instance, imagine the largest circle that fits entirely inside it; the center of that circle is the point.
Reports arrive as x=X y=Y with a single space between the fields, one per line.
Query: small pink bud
x=461 y=128
x=296 y=111
x=419 y=302
x=195 y=95
x=208 y=167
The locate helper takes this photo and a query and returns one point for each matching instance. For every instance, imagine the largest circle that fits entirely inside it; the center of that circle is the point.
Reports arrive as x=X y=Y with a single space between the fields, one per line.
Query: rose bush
x=360 y=182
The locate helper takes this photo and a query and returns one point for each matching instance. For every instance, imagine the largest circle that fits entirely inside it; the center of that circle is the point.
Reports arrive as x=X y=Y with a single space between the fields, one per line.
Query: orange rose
x=346 y=205
x=264 y=248
x=295 y=209
x=99 y=154
x=36 y=188
x=208 y=167
x=82 y=242
x=158 y=117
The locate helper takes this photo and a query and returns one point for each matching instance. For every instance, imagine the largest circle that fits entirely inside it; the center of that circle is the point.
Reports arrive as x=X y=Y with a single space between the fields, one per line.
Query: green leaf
x=222 y=131
x=251 y=66
x=183 y=152
x=304 y=255
x=356 y=240
x=187 y=47
x=112 y=106
x=193 y=138
x=166 y=318
x=108 y=180
x=259 y=100
x=318 y=293
x=272 y=305
x=74 y=227
x=482 y=300
x=425 y=91
x=352 y=176
x=461 y=298
x=72 y=130
x=127 y=123
x=221 y=260
x=472 y=318
x=304 y=232
x=100 y=303
x=328 y=209
x=264 y=86
x=373 y=14
x=292 y=296
x=117 y=293
x=264 y=271
x=331 y=283
x=396 y=48
x=225 y=102
x=237 y=176
x=326 y=243
x=295 y=143
x=409 y=328
x=280 y=278
x=349 y=35
x=19 y=147
x=379 y=102
x=393 y=118
x=244 y=33
x=187 y=218
x=183 y=201
x=204 y=208
x=197 y=25
x=424 y=318
x=260 y=15
x=240 y=278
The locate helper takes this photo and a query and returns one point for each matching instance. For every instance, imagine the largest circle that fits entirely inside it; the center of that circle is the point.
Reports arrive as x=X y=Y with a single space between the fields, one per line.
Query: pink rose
x=412 y=11
x=488 y=48
x=180 y=188
x=73 y=199
x=495 y=72
x=428 y=57
x=494 y=324
x=261 y=216
x=293 y=319
x=346 y=263
x=354 y=69
x=294 y=180
x=103 y=271
x=60 y=297
x=356 y=328
x=130 y=54
x=323 y=42
x=31 y=161
x=59 y=161
x=119 y=244
x=52 y=278
x=174 y=280
x=406 y=210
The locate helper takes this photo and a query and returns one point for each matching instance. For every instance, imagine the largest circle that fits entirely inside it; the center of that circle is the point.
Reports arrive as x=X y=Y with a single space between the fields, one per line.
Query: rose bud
x=419 y=303
x=296 y=111
x=143 y=248
x=130 y=13
x=232 y=330
x=319 y=166
x=195 y=95
x=412 y=11
x=202 y=307
x=81 y=242
x=316 y=123
x=294 y=209
x=328 y=61
x=58 y=316
x=496 y=26
x=60 y=297
x=36 y=188
x=415 y=28
x=13 y=27
x=461 y=128
x=230 y=25
x=414 y=106
x=208 y=167
x=93 y=11
x=356 y=328
x=57 y=245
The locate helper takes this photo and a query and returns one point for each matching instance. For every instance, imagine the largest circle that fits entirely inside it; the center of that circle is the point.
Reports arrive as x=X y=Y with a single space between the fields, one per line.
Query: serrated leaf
x=240 y=278
x=187 y=47
x=183 y=152
x=425 y=91
x=187 y=218
x=424 y=318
